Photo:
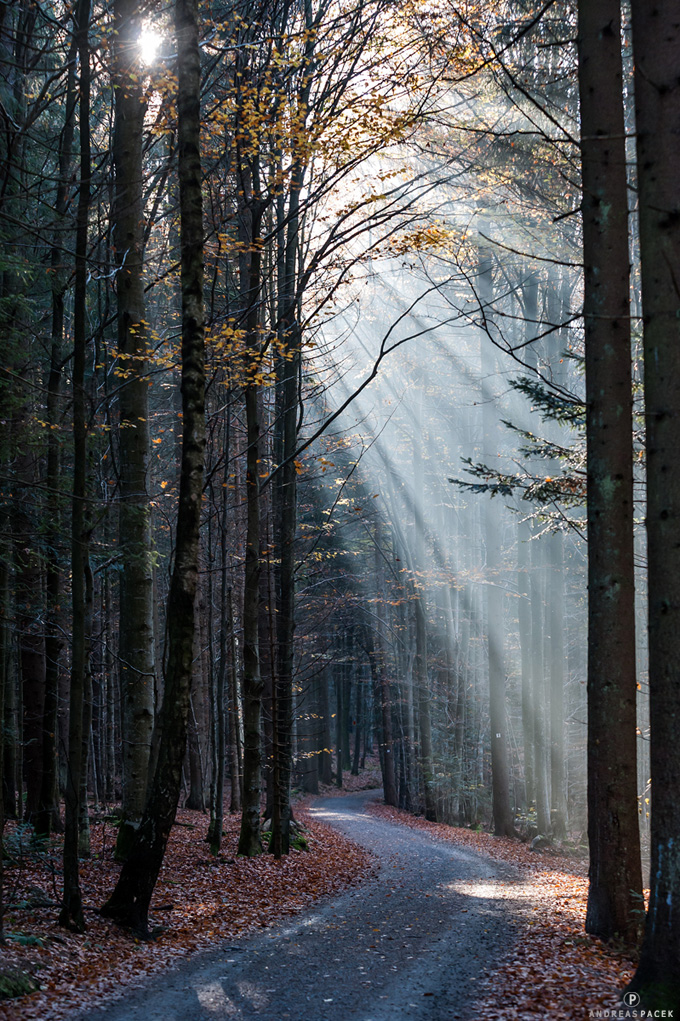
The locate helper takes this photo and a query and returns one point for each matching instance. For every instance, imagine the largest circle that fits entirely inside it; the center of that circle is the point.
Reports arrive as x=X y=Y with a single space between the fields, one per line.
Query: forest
x=338 y=395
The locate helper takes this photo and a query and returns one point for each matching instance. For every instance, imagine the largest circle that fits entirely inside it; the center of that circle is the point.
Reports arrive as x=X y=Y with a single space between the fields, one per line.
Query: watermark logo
x=631 y=999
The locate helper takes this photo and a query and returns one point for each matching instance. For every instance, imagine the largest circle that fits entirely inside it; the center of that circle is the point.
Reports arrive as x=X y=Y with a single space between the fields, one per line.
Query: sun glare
x=149 y=44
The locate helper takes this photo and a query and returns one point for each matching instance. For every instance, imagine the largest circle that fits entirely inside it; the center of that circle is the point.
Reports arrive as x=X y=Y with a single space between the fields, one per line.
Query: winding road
x=411 y=944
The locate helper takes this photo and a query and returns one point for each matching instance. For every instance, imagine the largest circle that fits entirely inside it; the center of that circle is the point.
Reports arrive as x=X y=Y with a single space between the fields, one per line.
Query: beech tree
x=137 y=646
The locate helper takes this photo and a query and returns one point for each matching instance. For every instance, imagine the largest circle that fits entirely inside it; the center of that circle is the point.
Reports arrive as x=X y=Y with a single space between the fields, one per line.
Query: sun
x=149 y=44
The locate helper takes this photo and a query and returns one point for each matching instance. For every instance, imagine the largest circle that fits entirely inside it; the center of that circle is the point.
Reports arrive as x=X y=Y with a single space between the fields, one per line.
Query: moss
x=16 y=983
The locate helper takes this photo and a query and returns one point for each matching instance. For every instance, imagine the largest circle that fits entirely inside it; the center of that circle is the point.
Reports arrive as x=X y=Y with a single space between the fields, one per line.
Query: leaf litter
x=554 y=970
x=201 y=901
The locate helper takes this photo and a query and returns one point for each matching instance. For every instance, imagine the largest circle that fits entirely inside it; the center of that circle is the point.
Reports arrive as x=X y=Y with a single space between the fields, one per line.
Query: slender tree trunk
x=339 y=678
x=28 y=589
x=383 y=703
x=358 y=726
x=421 y=672
x=129 y=902
x=615 y=891
x=495 y=638
x=71 y=915
x=558 y=801
x=286 y=521
x=656 y=45
x=524 y=622
x=326 y=765
x=86 y=760
x=217 y=807
x=195 y=799
x=540 y=693
x=48 y=805
x=235 y=752
x=249 y=838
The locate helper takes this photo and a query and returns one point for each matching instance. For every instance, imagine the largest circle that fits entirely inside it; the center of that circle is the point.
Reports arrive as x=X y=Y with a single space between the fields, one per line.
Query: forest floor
x=550 y=969
x=200 y=899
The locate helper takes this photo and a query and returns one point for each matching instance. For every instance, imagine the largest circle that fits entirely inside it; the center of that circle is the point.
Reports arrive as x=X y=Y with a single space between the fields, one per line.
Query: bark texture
x=615 y=890
x=656 y=45
x=136 y=649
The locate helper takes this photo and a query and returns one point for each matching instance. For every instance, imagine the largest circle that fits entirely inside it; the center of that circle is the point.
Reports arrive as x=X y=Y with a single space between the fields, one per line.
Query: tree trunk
x=235 y=751
x=196 y=797
x=383 y=703
x=217 y=804
x=656 y=44
x=358 y=725
x=137 y=640
x=524 y=625
x=48 y=805
x=495 y=638
x=129 y=902
x=339 y=678
x=540 y=693
x=558 y=801
x=326 y=764
x=71 y=915
x=249 y=838
x=615 y=891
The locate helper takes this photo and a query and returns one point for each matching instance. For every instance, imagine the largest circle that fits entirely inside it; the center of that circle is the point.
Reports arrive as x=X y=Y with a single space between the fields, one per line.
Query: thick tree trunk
x=656 y=46
x=137 y=641
x=615 y=891
x=129 y=902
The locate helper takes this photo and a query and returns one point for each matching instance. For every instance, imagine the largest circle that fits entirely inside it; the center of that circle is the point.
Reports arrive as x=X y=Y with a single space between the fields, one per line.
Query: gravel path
x=412 y=944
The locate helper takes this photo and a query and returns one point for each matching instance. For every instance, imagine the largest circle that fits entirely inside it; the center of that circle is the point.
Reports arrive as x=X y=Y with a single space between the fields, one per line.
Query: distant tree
x=495 y=638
